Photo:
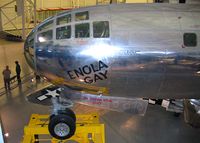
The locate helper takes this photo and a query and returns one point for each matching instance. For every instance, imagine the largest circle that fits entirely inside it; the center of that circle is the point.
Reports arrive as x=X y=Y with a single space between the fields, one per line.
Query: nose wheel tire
x=68 y=112
x=62 y=126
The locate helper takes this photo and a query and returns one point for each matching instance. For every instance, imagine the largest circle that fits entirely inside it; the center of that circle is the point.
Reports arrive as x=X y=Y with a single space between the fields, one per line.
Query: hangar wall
x=8 y=12
x=64 y=3
x=81 y=3
x=139 y=1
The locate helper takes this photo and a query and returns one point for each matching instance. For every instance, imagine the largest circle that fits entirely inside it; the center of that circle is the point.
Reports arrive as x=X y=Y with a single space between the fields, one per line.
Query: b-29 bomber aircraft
x=116 y=56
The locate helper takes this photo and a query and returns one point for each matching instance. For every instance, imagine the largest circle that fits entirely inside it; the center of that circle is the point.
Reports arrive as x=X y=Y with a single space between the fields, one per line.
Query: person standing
x=6 y=75
x=18 y=72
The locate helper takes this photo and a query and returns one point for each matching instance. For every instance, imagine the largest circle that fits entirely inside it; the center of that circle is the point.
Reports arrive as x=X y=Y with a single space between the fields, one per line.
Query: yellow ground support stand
x=88 y=130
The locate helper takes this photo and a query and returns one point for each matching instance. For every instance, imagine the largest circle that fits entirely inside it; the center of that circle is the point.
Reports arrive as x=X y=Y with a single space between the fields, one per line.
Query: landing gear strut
x=62 y=122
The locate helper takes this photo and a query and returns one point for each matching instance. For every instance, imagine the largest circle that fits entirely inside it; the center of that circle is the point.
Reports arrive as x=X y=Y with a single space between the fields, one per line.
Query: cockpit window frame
x=51 y=28
x=64 y=25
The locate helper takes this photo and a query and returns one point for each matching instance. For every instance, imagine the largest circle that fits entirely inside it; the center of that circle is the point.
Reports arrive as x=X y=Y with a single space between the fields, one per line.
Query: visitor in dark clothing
x=18 y=72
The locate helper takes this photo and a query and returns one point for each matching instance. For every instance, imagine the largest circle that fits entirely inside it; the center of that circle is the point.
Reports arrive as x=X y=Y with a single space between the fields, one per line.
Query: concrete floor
x=156 y=126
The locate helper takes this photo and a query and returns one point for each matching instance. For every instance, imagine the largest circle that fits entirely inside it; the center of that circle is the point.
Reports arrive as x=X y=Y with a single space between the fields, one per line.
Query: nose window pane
x=82 y=16
x=29 y=49
x=46 y=26
x=82 y=30
x=45 y=36
x=30 y=43
x=63 y=32
x=190 y=39
x=101 y=29
x=63 y=20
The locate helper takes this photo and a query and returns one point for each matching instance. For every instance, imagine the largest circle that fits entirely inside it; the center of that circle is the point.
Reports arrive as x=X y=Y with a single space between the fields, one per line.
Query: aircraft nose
x=29 y=51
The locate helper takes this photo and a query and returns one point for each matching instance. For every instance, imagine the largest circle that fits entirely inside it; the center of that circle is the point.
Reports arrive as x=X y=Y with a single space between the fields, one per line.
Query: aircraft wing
x=130 y=105
x=43 y=96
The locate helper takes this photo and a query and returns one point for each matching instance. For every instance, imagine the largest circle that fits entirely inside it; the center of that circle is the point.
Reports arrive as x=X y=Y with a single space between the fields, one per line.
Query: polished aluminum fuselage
x=144 y=56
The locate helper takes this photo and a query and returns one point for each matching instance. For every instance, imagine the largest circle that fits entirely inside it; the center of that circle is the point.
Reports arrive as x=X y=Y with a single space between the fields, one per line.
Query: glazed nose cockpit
x=29 y=50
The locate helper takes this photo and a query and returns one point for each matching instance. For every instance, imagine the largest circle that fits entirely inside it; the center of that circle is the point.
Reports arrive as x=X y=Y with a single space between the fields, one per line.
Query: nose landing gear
x=62 y=126
x=62 y=123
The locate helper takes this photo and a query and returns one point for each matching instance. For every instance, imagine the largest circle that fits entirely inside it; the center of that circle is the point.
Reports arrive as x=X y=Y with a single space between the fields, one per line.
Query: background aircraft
x=111 y=56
